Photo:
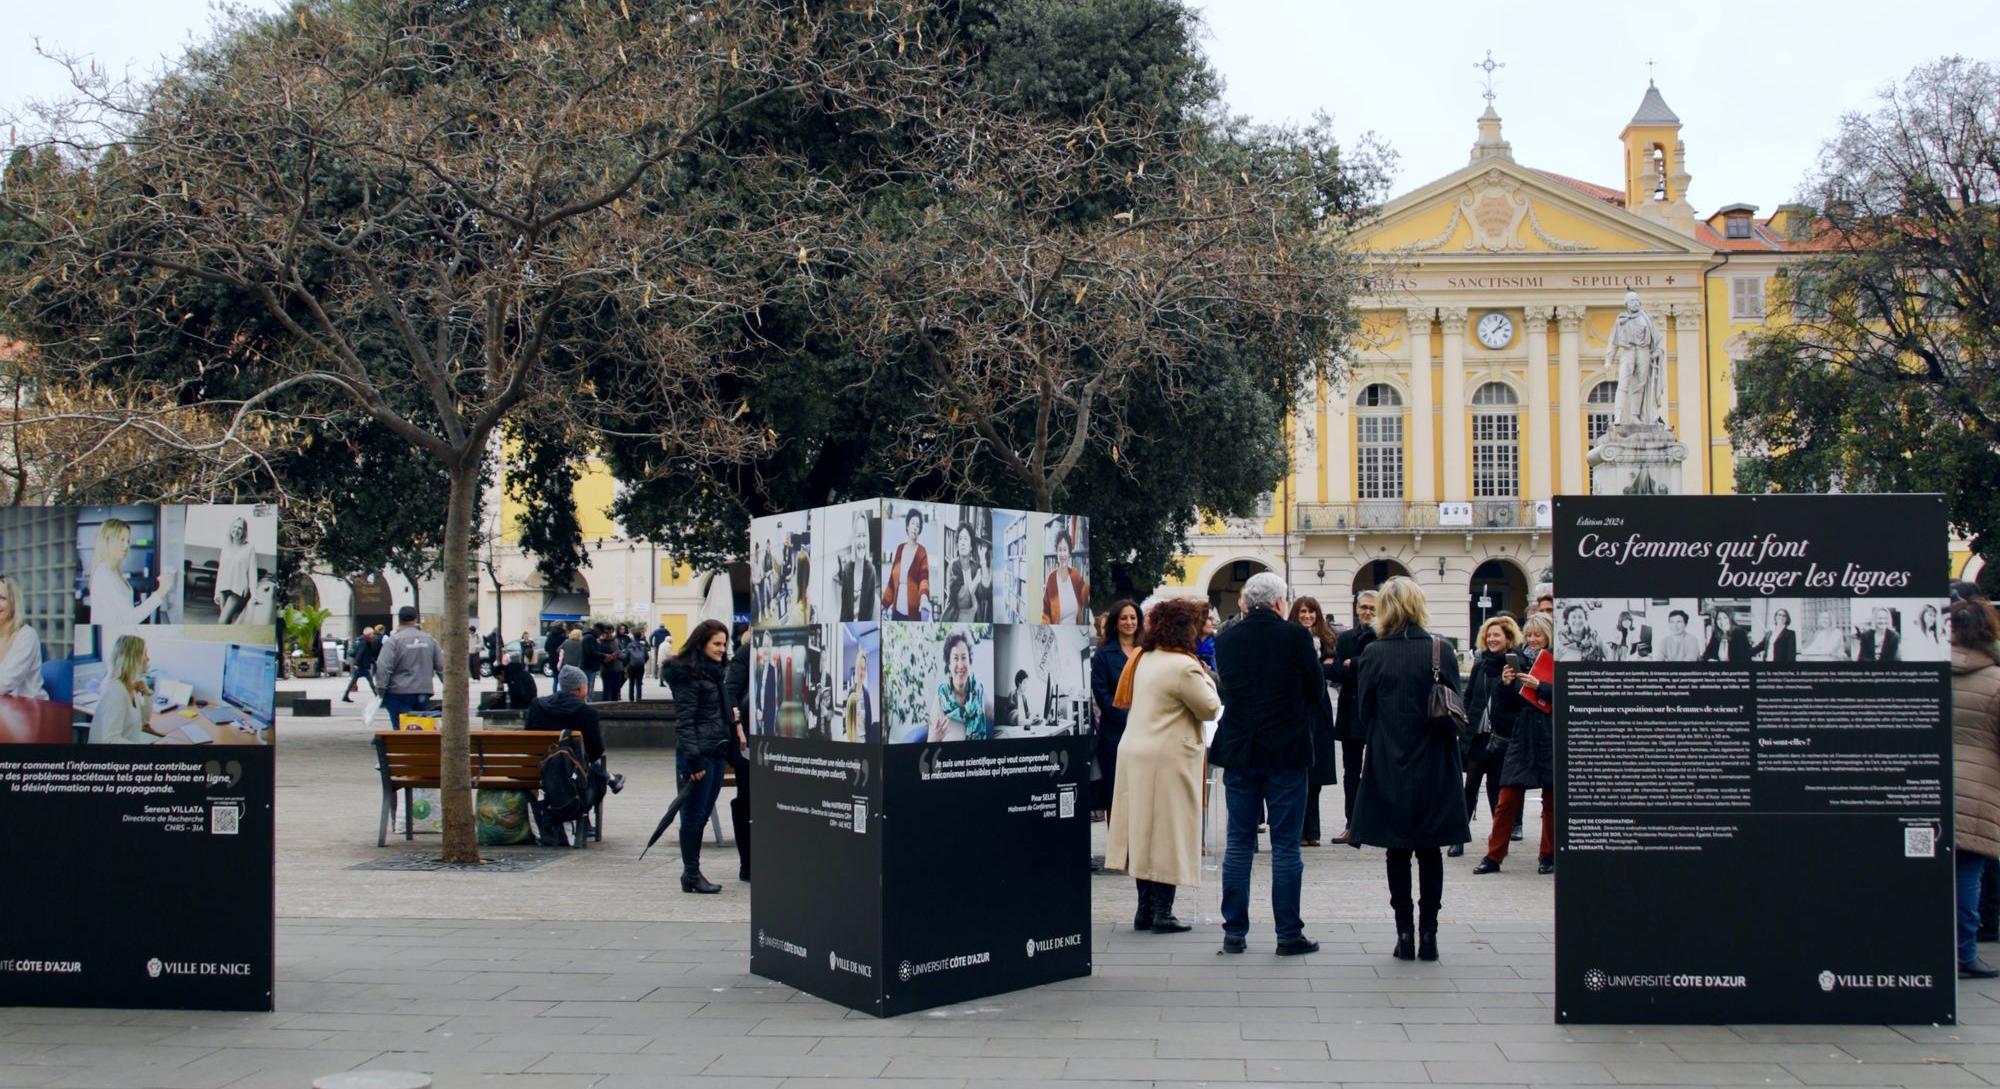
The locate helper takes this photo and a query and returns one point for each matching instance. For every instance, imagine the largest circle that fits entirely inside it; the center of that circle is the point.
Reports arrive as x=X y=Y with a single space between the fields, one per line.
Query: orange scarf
x=1122 y=699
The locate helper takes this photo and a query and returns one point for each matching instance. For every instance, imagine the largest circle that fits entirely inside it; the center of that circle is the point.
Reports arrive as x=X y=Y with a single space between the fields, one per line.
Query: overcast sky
x=1757 y=85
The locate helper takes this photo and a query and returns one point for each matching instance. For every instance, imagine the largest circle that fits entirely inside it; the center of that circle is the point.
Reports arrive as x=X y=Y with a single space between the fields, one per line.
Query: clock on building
x=1496 y=330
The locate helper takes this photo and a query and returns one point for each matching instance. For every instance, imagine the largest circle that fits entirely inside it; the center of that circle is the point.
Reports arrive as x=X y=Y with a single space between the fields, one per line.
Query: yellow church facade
x=1478 y=382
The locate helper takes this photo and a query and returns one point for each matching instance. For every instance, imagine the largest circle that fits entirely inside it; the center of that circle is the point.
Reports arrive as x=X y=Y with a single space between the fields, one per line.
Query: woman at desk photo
x=20 y=647
x=235 y=574
x=125 y=702
x=110 y=591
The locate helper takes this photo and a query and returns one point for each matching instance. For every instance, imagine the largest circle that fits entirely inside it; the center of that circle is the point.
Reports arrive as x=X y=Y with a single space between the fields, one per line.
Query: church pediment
x=1498 y=207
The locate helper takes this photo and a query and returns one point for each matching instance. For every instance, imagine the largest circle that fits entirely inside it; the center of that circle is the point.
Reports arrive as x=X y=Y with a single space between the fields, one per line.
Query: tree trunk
x=461 y=839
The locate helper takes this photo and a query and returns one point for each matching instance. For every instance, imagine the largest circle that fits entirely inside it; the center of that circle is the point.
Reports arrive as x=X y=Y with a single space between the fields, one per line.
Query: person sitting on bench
x=568 y=708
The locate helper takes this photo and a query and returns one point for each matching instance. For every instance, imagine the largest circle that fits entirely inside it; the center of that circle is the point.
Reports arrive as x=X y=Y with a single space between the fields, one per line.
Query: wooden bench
x=501 y=760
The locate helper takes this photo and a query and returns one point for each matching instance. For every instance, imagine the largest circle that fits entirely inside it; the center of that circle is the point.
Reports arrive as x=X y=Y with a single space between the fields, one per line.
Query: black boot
x=1163 y=911
x=1398 y=863
x=693 y=881
x=739 y=819
x=1142 y=920
x=1430 y=896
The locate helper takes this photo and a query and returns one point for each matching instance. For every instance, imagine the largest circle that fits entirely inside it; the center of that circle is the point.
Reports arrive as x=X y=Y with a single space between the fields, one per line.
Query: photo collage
x=138 y=625
x=1752 y=629
x=896 y=621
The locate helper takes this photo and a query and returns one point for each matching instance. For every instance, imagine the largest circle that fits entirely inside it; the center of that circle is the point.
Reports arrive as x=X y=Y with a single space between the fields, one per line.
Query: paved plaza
x=594 y=970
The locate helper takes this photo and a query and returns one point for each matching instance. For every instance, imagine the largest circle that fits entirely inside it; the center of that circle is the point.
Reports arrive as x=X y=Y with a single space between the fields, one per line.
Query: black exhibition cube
x=920 y=758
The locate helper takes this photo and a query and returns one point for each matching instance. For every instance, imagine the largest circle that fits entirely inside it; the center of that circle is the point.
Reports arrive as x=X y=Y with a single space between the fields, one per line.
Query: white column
x=1339 y=452
x=1692 y=388
x=1305 y=447
x=1422 y=484
x=1541 y=451
x=1455 y=486
x=1569 y=397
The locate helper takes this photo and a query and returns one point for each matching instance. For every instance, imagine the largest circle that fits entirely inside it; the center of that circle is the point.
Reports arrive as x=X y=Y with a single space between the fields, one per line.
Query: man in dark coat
x=567 y=709
x=1348 y=729
x=1271 y=688
x=552 y=647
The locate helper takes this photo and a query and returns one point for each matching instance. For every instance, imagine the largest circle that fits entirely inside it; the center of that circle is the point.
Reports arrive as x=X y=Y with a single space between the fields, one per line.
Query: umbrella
x=687 y=787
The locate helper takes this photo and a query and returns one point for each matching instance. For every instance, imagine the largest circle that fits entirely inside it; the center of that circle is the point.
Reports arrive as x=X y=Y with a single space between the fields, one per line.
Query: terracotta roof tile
x=1595 y=192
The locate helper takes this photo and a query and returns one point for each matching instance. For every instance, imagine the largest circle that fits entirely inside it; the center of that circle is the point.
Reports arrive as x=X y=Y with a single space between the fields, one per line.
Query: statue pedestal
x=1637 y=459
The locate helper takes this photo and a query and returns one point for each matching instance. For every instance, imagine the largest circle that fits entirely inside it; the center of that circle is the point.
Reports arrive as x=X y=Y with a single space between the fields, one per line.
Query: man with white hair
x=1269 y=677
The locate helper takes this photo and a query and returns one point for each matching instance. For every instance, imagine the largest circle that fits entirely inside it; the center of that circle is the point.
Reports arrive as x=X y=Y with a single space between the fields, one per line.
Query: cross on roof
x=1488 y=65
x=1649 y=71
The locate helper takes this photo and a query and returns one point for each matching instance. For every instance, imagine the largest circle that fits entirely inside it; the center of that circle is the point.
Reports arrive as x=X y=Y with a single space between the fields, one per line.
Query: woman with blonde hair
x=1412 y=798
x=1155 y=832
x=125 y=700
x=110 y=591
x=1489 y=719
x=235 y=573
x=20 y=647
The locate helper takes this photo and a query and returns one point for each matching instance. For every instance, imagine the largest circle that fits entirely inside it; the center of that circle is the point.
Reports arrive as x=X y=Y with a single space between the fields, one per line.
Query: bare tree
x=443 y=215
x=1063 y=271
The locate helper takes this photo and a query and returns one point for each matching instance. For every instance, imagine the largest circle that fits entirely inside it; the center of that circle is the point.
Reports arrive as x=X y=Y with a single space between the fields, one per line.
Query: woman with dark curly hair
x=1325 y=769
x=1115 y=646
x=1155 y=830
x=961 y=713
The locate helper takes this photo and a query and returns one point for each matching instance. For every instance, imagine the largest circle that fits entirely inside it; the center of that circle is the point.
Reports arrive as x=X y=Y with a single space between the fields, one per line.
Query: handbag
x=1446 y=711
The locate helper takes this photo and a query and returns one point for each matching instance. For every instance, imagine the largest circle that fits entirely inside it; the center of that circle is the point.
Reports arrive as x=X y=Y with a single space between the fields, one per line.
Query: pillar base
x=1637 y=459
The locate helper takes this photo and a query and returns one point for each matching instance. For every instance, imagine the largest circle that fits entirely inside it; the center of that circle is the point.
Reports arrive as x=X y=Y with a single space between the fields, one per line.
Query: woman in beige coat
x=1975 y=754
x=1156 y=802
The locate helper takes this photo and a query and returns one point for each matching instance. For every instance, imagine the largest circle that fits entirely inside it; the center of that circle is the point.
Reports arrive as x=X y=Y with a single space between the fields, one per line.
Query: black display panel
x=1753 y=760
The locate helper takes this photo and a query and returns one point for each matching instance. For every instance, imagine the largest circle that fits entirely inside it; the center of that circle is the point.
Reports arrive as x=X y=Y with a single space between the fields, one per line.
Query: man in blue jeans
x=1270 y=681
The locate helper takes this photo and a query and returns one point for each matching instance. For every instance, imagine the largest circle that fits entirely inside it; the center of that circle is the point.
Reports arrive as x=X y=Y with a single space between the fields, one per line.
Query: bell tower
x=1656 y=175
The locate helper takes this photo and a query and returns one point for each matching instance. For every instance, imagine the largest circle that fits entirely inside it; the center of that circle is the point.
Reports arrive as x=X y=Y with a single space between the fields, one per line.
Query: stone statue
x=1637 y=353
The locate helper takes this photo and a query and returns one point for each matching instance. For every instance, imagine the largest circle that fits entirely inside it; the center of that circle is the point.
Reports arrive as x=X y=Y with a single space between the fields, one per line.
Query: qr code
x=223 y=820
x=1919 y=843
x=1066 y=805
x=861 y=815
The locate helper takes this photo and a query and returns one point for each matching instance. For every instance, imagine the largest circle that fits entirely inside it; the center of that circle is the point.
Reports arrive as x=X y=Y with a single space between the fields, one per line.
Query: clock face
x=1496 y=330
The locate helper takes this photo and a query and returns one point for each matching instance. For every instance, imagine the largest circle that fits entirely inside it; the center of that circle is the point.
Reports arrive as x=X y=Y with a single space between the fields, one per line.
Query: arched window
x=1657 y=156
x=1597 y=410
x=1378 y=426
x=1496 y=442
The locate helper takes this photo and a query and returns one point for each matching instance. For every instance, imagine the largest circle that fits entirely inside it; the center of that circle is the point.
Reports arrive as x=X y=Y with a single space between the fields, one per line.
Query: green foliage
x=302 y=625
x=842 y=406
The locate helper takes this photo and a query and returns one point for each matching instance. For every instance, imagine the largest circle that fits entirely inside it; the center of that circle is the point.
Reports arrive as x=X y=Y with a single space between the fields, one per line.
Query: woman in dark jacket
x=1783 y=639
x=1489 y=718
x=1121 y=640
x=1412 y=785
x=704 y=738
x=1728 y=642
x=1530 y=762
x=1325 y=769
x=611 y=665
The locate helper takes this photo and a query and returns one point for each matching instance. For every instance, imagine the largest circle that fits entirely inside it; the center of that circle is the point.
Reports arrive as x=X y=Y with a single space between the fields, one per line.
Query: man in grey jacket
x=408 y=667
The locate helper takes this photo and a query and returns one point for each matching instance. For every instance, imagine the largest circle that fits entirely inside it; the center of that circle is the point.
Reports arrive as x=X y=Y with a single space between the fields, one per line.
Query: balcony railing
x=1397 y=516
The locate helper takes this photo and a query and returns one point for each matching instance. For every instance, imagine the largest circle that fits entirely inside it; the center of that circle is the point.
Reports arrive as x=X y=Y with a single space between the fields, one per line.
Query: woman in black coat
x=1530 y=762
x=1412 y=785
x=1325 y=768
x=703 y=738
x=1121 y=638
x=1489 y=717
